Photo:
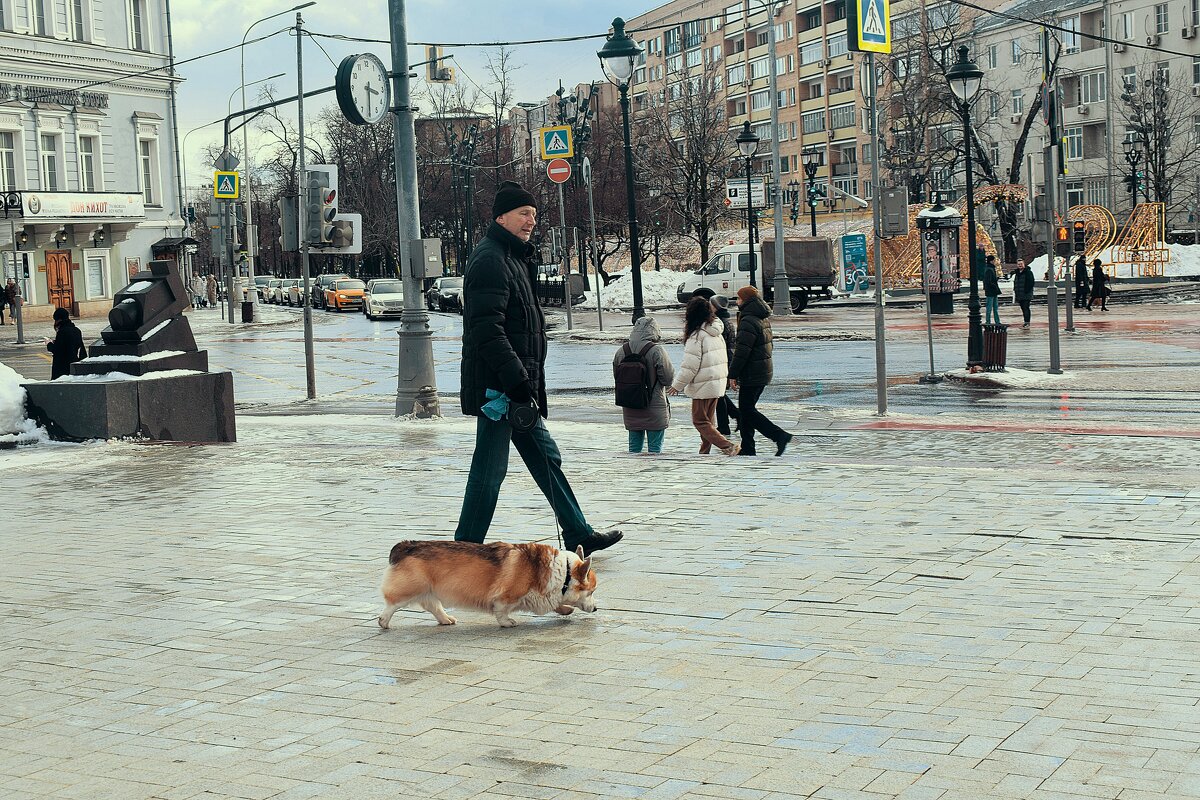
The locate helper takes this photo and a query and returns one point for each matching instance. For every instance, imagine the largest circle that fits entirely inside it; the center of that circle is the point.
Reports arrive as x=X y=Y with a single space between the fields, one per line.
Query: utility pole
x=782 y=307
x=1052 y=142
x=310 y=369
x=877 y=218
x=416 y=373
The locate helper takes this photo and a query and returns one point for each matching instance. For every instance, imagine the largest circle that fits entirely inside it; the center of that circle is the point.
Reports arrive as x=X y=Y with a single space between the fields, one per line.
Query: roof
x=172 y=242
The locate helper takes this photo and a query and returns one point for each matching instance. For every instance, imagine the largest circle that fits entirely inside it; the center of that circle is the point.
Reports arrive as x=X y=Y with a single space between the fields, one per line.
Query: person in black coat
x=1081 y=282
x=1023 y=289
x=1100 y=290
x=504 y=351
x=752 y=368
x=67 y=345
x=991 y=291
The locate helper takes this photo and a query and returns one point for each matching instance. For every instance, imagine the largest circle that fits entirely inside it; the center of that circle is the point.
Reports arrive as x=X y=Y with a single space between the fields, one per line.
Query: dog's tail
x=401 y=551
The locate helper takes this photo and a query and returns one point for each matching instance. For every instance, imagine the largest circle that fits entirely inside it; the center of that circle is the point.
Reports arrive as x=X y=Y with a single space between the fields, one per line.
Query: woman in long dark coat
x=67 y=345
x=1100 y=290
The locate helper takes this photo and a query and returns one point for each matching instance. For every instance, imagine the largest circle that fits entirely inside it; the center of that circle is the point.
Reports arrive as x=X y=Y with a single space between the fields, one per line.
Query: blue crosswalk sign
x=226 y=185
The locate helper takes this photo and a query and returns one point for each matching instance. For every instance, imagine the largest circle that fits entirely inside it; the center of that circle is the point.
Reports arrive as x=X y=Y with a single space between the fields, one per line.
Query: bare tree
x=1163 y=117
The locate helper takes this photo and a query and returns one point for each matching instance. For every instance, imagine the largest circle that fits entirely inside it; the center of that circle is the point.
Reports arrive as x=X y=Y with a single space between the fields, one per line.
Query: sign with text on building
x=56 y=205
x=225 y=185
x=869 y=26
x=557 y=142
x=735 y=193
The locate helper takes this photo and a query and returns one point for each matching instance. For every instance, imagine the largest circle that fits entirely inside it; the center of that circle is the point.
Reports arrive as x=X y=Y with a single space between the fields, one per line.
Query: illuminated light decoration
x=1139 y=243
x=902 y=255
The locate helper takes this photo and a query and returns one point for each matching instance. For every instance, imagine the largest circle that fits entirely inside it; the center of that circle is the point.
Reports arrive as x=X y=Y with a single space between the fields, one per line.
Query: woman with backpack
x=642 y=371
x=704 y=373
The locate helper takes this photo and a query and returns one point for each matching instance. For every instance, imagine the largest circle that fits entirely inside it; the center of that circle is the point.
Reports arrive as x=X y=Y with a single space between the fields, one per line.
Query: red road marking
x=1080 y=430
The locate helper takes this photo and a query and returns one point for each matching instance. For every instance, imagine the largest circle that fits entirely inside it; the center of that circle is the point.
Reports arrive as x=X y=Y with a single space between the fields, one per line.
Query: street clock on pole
x=363 y=89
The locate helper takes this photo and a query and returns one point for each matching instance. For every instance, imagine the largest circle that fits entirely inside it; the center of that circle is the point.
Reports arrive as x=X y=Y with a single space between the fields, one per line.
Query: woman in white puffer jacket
x=704 y=373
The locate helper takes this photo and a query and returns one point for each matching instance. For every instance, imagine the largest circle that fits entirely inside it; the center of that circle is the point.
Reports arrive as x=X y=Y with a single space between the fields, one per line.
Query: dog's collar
x=567 y=580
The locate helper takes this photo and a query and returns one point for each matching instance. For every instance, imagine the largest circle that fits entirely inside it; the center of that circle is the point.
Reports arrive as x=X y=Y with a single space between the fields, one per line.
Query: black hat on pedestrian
x=511 y=196
x=61 y=315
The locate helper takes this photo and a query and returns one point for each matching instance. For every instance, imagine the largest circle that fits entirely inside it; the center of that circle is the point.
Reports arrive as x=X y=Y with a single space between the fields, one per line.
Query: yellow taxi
x=344 y=295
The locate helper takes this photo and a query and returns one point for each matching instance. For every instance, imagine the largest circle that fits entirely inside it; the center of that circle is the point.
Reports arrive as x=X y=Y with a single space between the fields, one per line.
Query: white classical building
x=88 y=168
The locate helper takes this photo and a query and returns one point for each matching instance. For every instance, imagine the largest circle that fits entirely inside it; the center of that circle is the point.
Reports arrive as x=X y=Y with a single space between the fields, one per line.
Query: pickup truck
x=808 y=262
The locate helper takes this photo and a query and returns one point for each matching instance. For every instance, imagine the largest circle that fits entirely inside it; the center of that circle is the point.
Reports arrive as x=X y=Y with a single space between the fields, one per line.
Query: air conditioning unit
x=1196 y=91
x=1118 y=47
x=825 y=62
x=1189 y=32
x=1153 y=39
x=1083 y=110
x=829 y=133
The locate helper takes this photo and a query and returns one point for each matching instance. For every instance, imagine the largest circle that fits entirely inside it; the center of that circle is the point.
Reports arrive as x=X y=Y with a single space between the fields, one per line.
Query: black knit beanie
x=511 y=196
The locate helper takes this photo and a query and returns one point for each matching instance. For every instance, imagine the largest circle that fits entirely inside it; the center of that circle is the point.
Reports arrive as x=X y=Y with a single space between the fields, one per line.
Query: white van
x=808 y=261
x=724 y=273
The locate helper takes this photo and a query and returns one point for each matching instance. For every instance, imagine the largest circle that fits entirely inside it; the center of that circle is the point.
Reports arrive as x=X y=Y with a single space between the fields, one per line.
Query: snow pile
x=658 y=289
x=1010 y=379
x=1185 y=262
x=124 y=376
x=14 y=426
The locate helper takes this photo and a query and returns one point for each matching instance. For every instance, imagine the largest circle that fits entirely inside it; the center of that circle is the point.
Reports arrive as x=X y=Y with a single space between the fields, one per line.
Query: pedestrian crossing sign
x=226 y=185
x=557 y=142
x=870 y=25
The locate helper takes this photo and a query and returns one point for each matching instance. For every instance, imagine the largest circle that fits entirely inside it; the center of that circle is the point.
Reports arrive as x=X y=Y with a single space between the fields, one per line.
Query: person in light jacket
x=210 y=286
x=704 y=373
x=649 y=423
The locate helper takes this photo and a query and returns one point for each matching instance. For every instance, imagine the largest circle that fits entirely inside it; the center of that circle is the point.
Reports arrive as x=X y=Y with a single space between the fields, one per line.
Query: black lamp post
x=794 y=198
x=1133 y=155
x=747 y=143
x=618 y=57
x=812 y=160
x=964 y=78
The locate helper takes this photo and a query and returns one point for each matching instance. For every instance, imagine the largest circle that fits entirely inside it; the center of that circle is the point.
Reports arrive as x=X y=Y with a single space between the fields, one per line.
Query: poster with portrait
x=133 y=266
x=939 y=268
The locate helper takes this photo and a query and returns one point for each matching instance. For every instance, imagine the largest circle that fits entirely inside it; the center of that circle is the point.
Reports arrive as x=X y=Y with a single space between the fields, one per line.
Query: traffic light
x=1131 y=184
x=1062 y=240
x=343 y=233
x=816 y=193
x=1079 y=237
x=321 y=206
x=289 y=223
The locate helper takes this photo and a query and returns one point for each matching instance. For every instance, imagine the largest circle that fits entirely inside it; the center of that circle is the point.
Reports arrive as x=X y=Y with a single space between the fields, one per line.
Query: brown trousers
x=704 y=419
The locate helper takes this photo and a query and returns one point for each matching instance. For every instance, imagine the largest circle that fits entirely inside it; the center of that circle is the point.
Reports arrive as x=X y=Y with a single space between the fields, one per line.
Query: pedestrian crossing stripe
x=225 y=185
x=557 y=143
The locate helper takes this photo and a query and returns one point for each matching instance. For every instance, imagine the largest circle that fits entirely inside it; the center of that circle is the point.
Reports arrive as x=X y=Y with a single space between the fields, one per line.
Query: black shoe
x=744 y=452
x=782 y=444
x=600 y=541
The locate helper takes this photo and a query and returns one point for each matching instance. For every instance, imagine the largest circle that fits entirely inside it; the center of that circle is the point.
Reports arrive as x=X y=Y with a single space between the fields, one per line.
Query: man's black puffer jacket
x=504 y=330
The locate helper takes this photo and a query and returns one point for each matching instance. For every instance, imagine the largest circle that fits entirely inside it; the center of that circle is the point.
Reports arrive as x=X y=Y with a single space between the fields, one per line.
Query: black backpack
x=633 y=379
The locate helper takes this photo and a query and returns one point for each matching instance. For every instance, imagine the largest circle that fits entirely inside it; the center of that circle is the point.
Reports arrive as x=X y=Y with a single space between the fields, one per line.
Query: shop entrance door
x=58 y=279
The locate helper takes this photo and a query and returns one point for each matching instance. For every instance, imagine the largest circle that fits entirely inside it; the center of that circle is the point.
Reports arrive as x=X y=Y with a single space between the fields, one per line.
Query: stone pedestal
x=181 y=408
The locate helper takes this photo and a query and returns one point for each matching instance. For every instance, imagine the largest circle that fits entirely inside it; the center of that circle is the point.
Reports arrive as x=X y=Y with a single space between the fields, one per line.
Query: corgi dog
x=497 y=577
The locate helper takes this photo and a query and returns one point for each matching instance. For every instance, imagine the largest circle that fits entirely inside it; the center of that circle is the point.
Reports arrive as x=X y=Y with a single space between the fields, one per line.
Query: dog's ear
x=585 y=566
x=579 y=552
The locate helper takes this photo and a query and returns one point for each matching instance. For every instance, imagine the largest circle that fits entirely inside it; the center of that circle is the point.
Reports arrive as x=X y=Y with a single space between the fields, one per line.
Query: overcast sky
x=201 y=26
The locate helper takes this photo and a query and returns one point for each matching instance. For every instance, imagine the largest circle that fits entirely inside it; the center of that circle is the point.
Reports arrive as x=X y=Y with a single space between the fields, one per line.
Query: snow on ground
x=658 y=289
x=15 y=427
x=1185 y=262
x=1011 y=379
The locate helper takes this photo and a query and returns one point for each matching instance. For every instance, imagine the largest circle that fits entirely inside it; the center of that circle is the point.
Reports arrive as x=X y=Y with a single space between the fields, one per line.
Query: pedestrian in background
x=1100 y=290
x=751 y=370
x=504 y=352
x=726 y=408
x=210 y=287
x=3 y=303
x=644 y=358
x=704 y=372
x=199 y=290
x=1081 y=282
x=991 y=291
x=67 y=344
x=1023 y=289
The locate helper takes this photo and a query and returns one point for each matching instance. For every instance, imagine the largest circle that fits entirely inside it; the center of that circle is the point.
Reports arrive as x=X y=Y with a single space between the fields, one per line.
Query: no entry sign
x=559 y=170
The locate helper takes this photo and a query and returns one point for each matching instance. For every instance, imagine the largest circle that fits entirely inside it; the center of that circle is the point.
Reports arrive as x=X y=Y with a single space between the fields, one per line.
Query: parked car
x=384 y=297
x=271 y=295
x=322 y=283
x=281 y=294
x=295 y=293
x=345 y=294
x=446 y=295
x=261 y=282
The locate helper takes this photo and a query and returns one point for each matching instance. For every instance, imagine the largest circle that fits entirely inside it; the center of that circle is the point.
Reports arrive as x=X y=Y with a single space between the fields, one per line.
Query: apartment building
x=1098 y=80
x=87 y=149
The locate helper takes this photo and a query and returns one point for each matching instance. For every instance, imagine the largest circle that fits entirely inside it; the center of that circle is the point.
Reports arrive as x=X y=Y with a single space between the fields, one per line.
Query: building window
x=671 y=41
x=845 y=82
x=993 y=56
x=812 y=52
x=837 y=45
x=761 y=38
x=77 y=20
x=812 y=19
x=1070 y=34
x=1017 y=51
x=674 y=63
x=87 y=163
x=993 y=106
x=1074 y=143
x=736 y=75
x=841 y=117
x=1128 y=78
x=8 y=161
x=714 y=54
x=1093 y=88
x=1125 y=25
x=760 y=100
x=1074 y=193
x=148 y=164
x=1160 y=18
x=994 y=154
x=1097 y=193
x=733 y=13
x=816 y=89
x=94 y=274
x=50 y=171
x=943 y=16
x=1018 y=101
x=813 y=121
x=1196 y=69
x=1196 y=12
x=760 y=68
x=1162 y=72
x=39 y=17
x=693 y=33
x=694 y=57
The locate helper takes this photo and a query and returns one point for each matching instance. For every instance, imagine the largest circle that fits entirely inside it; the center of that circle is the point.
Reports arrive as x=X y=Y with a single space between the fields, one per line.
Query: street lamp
x=1133 y=155
x=812 y=160
x=618 y=57
x=246 y=154
x=747 y=143
x=964 y=78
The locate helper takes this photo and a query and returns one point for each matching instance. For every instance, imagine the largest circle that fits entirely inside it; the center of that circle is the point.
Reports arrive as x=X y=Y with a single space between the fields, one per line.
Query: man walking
x=1023 y=289
x=504 y=350
x=991 y=292
x=751 y=370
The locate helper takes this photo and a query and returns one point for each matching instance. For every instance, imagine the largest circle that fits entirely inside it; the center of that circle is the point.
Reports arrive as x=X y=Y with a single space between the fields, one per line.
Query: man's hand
x=733 y=384
x=672 y=391
x=521 y=393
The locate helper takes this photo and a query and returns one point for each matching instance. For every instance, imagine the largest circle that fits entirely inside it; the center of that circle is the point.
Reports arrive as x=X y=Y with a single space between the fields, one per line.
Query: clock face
x=363 y=89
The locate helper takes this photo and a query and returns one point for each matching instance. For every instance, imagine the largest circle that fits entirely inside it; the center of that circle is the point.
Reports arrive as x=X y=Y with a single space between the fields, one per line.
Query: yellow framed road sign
x=869 y=25
x=557 y=142
x=226 y=186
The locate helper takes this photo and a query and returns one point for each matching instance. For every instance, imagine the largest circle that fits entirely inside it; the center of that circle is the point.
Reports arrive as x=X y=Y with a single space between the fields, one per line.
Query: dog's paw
x=507 y=622
x=449 y=620
x=383 y=623
x=564 y=610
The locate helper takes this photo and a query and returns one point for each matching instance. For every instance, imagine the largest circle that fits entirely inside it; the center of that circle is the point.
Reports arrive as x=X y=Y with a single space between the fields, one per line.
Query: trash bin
x=247 y=311
x=995 y=347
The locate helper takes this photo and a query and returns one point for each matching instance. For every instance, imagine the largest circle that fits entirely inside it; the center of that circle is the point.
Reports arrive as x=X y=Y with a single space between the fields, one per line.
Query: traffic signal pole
x=1048 y=166
x=310 y=371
